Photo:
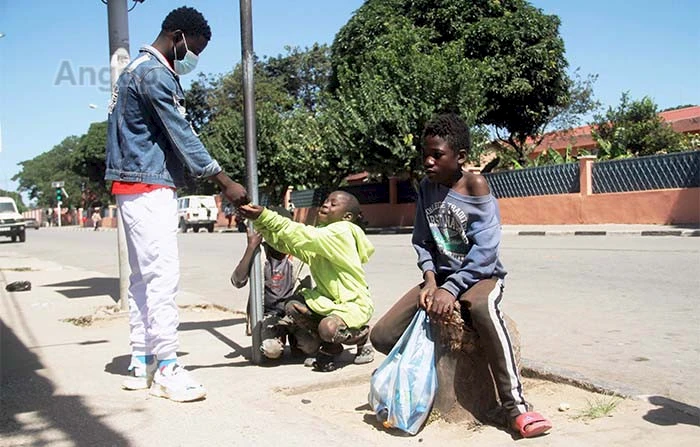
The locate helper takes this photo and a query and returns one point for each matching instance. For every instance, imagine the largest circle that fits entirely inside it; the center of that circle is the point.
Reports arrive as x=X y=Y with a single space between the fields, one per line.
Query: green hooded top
x=335 y=254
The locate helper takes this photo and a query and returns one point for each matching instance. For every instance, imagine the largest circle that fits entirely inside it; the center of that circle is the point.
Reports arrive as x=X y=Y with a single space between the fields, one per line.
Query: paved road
x=617 y=310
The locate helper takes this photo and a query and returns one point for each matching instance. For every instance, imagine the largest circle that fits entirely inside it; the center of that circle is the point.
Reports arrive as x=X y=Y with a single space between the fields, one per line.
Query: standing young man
x=150 y=144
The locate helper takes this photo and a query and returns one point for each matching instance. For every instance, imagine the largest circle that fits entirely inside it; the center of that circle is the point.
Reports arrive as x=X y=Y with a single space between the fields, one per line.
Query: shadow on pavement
x=89 y=288
x=30 y=409
x=210 y=326
x=672 y=412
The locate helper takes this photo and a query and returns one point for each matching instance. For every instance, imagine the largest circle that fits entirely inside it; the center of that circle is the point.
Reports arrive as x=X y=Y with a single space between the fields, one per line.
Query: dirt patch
x=576 y=414
x=107 y=313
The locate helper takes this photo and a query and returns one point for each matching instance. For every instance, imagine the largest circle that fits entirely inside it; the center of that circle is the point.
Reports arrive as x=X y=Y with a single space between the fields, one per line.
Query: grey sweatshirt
x=457 y=237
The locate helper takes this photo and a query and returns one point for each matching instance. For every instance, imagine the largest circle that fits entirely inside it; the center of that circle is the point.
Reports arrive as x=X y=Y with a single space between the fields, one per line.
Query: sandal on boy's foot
x=324 y=363
x=365 y=354
x=531 y=424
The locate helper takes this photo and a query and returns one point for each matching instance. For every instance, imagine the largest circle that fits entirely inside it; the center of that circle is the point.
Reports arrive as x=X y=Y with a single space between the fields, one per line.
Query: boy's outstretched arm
x=239 y=278
x=294 y=238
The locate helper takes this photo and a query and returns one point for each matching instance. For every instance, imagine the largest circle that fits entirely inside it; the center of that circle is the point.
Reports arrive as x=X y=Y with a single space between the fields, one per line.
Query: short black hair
x=451 y=128
x=188 y=20
x=353 y=207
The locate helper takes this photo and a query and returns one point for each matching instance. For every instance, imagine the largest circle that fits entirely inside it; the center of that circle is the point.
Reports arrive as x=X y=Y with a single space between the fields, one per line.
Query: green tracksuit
x=335 y=254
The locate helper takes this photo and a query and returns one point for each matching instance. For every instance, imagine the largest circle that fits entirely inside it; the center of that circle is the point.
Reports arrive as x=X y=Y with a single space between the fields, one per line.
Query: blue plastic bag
x=403 y=388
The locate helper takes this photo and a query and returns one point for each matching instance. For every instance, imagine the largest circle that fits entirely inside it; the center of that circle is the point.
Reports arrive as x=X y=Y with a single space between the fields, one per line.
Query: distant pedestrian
x=228 y=212
x=456 y=235
x=96 y=219
x=149 y=145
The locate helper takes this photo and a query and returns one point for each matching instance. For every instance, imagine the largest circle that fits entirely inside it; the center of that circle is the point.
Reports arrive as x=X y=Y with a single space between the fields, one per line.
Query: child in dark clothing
x=337 y=310
x=280 y=275
x=456 y=235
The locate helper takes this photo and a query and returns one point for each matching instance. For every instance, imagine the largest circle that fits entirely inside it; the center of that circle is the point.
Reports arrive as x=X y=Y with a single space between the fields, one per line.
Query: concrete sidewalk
x=60 y=384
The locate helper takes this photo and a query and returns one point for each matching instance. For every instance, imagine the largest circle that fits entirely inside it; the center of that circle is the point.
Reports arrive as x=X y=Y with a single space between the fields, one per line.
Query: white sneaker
x=175 y=383
x=140 y=377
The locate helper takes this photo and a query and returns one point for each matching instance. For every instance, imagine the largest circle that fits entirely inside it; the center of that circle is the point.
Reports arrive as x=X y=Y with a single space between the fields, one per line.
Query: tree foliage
x=36 y=175
x=88 y=165
x=324 y=113
x=397 y=62
x=634 y=128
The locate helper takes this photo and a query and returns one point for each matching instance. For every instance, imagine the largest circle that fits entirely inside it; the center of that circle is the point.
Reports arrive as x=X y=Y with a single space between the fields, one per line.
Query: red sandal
x=531 y=424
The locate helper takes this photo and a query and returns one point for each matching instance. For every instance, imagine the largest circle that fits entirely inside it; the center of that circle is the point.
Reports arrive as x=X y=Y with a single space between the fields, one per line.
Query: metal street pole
x=256 y=286
x=118 y=23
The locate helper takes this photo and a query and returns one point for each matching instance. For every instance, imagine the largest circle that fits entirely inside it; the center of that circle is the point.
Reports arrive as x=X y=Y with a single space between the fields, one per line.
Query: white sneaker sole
x=178 y=396
x=135 y=383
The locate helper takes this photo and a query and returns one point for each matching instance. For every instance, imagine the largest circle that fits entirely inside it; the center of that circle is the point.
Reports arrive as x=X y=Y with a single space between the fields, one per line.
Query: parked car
x=31 y=223
x=196 y=212
x=11 y=221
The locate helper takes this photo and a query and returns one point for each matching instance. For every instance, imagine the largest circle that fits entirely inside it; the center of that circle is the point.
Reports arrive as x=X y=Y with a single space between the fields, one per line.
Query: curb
x=687 y=232
x=536 y=370
x=677 y=233
x=76 y=228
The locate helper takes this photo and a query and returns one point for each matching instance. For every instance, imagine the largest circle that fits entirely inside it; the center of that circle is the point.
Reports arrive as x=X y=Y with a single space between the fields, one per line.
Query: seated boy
x=280 y=275
x=337 y=310
x=456 y=235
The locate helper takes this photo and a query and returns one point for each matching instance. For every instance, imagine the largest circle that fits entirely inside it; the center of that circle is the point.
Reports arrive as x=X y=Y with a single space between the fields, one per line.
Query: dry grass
x=598 y=407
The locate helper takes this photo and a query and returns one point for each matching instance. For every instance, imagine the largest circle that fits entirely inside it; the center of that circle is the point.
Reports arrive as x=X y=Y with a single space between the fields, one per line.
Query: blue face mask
x=188 y=63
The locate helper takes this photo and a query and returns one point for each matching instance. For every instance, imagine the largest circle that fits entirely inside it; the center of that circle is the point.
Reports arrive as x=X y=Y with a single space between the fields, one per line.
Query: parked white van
x=196 y=212
x=11 y=221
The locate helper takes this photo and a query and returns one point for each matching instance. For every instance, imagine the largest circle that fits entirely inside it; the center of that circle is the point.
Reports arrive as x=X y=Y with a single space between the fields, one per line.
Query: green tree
x=36 y=175
x=634 y=128
x=564 y=118
x=304 y=74
x=384 y=95
x=197 y=100
x=88 y=165
x=290 y=123
x=495 y=62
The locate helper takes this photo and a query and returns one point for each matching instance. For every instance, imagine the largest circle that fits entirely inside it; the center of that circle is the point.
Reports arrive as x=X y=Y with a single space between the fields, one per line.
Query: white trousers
x=150 y=224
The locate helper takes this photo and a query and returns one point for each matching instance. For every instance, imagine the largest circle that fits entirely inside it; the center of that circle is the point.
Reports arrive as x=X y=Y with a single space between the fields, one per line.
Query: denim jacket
x=149 y=140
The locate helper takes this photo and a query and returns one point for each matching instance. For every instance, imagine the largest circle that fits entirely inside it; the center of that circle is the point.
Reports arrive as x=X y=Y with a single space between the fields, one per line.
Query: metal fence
x=366 y=194
x=677 y=170
x=306 y=198
x=543 y=180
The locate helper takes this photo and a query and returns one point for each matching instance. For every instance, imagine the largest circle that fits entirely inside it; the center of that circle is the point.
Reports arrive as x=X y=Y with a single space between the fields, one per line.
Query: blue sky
x=647 y=47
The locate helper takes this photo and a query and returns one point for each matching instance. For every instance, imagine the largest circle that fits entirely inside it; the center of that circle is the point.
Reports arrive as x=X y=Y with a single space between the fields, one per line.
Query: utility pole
x=118 y=23
x=256 y=286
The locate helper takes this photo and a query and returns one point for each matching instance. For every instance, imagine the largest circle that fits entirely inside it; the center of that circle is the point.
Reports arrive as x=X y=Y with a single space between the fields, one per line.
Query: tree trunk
x=466 y=391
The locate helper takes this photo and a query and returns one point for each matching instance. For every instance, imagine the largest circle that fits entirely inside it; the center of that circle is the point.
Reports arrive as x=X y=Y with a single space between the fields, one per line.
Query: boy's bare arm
x=428 y=290
x=242 y=270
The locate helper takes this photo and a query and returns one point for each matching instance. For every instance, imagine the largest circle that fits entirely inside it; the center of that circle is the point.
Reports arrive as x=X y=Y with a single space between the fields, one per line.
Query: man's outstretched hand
x=250 y=211
x=234 y=192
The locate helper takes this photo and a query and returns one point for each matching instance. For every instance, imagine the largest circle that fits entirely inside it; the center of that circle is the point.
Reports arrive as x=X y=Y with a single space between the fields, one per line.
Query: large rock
x=466 y=390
